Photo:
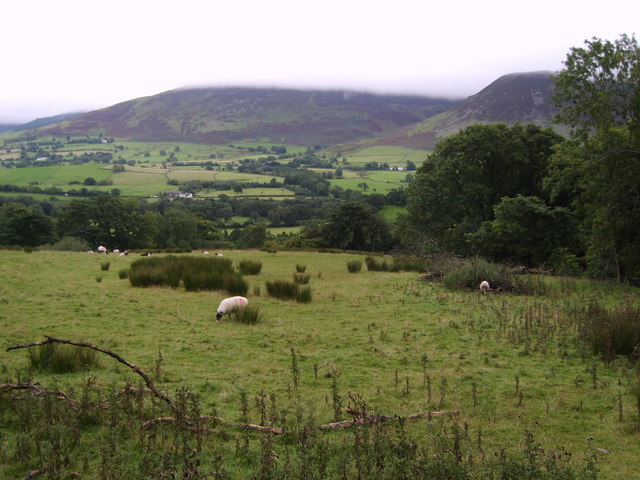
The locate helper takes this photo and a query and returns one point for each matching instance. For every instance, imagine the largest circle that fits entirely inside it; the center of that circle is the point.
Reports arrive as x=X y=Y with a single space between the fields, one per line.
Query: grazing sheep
x=102 y=249
x=219 y=255
x=484 y=287
x=228 y=305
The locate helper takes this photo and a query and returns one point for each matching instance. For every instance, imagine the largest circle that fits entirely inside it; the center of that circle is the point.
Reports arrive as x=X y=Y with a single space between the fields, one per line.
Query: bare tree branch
x=139 y=371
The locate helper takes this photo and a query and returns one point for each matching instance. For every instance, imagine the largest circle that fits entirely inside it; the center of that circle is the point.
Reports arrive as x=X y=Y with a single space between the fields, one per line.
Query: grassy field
x=394 y=156
x=404 y=346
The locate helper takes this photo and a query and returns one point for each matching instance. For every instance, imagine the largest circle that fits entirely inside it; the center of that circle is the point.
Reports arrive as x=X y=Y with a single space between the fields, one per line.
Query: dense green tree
x=598 y=92
x=24 y=225
x=456 y=188
x=103 y=220
x=356 y=226
x=525 y=230
x=177 y=228
x=253 y=236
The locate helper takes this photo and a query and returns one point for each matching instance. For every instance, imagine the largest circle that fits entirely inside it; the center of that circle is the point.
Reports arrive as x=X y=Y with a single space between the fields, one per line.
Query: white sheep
x=102 y=249
x=228 y=305
x=484 y=287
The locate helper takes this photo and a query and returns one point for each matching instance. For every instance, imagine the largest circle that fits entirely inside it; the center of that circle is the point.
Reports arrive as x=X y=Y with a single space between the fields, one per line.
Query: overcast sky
x=62 y=56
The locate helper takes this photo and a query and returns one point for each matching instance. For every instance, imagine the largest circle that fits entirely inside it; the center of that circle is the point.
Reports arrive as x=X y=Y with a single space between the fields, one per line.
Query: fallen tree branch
x=188 y=422
x=363 y=418
x=7 y=387
x=136 y=369
x=373 y=418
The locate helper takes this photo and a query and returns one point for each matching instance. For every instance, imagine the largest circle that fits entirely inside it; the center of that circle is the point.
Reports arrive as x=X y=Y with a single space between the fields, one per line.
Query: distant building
x=177 y=194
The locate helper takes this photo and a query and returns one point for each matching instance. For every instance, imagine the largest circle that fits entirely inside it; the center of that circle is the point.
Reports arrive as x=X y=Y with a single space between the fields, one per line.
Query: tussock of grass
x=249 y=267
x=354 y=266
x=249 y=315
x=55 y=358
x=301 y=278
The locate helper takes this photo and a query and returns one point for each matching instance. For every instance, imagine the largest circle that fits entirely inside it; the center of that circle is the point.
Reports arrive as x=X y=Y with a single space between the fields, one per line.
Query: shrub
x=62 y=358
x=248 y=314
x=354 y=266
x=301 y=278
x=565 y=263
x=469 y=274
x=71 y=244
x=301 y=268
x=249 y=267
x=283 y=289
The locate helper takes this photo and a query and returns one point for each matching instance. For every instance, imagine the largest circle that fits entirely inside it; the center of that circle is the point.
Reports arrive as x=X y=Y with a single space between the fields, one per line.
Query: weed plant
x=104 y=266
x=301 y=268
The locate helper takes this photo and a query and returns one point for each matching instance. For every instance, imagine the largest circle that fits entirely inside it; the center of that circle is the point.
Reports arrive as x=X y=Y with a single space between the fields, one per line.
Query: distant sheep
x=102 y=249
x=228 y=305
x=484 y=287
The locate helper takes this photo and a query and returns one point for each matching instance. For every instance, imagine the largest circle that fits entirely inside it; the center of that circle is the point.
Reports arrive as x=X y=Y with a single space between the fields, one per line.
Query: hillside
x=219 y=116
x=513 y=98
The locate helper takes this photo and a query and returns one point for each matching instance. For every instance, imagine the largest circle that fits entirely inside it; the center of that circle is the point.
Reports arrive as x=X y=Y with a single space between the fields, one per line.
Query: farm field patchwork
x=403 y=345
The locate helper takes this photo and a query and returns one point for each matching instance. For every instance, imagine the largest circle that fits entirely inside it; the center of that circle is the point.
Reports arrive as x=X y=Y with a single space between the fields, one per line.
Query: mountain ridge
x=223 y=115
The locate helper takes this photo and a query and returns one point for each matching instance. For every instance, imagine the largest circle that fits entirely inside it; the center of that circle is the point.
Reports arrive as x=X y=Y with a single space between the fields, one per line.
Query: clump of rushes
x=104 y=266
x=282 y=289
x=286 y=290
x=301 y=268
x=249 y=314
x=301 y=278
x=62 y=359
x=354 y=266
x=249 y=267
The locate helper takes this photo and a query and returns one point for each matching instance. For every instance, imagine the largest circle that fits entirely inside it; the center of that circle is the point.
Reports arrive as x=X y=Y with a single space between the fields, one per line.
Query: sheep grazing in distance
x=484 y=287
x=102 y=249
x=228 y=305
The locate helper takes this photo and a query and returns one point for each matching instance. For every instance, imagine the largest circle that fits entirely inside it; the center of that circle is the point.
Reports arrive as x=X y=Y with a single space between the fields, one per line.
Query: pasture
x=394 y=156
x=506 y=364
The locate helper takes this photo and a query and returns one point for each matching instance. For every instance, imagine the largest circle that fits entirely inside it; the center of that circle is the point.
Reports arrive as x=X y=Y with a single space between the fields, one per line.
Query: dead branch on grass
x=38 y=391
x=138 y=370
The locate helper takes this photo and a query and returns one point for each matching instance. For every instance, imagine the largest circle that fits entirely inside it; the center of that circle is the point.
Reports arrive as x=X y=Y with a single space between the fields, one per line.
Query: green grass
x=390 y=212
x=54 y=176
x=394 y=156
x=381 y=331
